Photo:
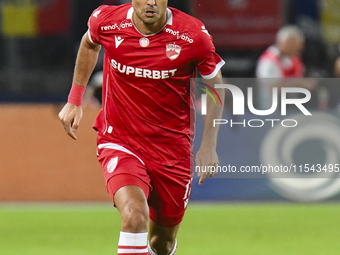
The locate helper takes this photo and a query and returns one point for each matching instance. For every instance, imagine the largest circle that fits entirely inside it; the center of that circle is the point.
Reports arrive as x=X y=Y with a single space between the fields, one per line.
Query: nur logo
x=204 y=97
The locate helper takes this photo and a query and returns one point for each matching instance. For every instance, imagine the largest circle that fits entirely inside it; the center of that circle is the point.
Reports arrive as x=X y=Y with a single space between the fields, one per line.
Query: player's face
x=150 y=12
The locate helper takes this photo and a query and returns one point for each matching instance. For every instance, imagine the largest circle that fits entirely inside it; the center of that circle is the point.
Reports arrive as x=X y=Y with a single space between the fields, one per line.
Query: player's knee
x=162 y=245
x=135 y=217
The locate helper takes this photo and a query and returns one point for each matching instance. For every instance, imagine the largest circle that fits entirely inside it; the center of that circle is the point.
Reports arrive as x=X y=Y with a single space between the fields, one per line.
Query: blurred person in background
x=281 y=60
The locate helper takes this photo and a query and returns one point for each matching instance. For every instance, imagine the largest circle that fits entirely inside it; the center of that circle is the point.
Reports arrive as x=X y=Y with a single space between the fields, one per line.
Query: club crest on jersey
x=173 y=50
x=144 y=42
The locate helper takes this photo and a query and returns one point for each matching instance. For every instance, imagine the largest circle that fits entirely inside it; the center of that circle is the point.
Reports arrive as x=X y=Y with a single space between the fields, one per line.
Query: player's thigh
x=121 y=169
x=170 y=194
x=128 y=184
x=133 y=207
x=131 y=196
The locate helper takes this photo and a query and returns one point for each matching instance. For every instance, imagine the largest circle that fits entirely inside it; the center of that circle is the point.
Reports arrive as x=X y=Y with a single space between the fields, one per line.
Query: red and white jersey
x=147 y=99
x=272 y=64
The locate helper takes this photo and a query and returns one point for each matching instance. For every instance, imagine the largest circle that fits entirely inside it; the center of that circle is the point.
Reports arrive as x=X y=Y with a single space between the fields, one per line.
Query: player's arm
x=206 y=155
x=72 y=112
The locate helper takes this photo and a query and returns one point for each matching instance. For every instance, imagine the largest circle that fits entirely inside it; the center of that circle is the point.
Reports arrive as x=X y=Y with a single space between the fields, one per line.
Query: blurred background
x=38 y=45
x=39 y=163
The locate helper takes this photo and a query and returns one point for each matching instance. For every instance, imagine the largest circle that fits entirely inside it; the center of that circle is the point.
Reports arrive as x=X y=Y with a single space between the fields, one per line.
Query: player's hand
x=205 y=158
x=70 y=117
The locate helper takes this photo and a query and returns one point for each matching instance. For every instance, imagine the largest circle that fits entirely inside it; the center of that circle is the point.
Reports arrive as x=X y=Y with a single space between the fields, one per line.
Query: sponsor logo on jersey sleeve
x=96 y=14
x=173 y=50
x=111 y=166
x=118 y=40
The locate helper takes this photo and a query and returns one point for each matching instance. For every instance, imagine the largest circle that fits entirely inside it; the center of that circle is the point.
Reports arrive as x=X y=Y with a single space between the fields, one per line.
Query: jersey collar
x=168 y=14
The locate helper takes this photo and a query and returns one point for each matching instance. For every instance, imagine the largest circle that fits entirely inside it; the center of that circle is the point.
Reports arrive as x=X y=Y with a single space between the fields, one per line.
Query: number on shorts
x=187 y=193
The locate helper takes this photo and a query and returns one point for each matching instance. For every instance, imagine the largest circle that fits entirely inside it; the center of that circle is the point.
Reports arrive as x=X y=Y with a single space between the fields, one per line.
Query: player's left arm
x=207 y=155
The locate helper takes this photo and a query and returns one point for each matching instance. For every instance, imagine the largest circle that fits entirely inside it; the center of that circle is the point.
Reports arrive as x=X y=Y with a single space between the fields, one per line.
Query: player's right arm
x=87 y=57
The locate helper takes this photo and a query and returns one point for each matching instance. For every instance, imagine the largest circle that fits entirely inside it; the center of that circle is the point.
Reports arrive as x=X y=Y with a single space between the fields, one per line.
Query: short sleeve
x=209 y=62
x=93 y=24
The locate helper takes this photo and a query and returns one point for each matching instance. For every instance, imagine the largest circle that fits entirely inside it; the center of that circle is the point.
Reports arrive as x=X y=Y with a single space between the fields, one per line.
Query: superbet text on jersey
x=147 y=98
